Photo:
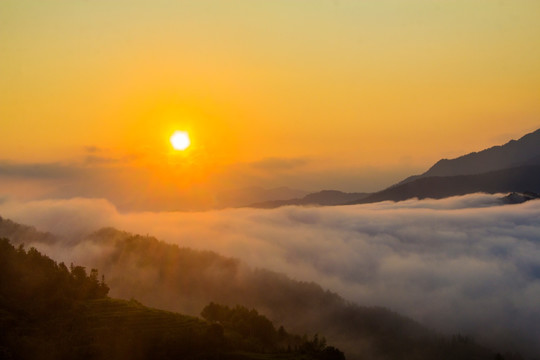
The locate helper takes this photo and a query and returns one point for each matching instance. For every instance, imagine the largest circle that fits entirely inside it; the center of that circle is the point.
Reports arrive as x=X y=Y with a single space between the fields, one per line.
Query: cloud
x=125 y=184
x=281 y=164
x=459 y=265
x=37 y=171
x=91 y=149
x=93 y=160
x=72 y=218
x=132 y=183
x=96 y=156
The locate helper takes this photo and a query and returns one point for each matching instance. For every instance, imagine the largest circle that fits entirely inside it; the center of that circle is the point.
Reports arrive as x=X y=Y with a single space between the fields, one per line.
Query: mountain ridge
x=320 y=198
x=511 y=167
x=521 y=179
x=514 y=153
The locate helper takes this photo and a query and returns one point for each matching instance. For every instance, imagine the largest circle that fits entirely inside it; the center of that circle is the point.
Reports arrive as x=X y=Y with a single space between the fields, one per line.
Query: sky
x=308 y=94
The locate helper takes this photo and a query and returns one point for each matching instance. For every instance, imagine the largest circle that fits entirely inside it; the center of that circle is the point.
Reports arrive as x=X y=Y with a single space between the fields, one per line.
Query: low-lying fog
x=464 y=264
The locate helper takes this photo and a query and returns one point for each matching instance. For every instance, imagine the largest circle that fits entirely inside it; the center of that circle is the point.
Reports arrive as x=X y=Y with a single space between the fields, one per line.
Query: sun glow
x=180 y=140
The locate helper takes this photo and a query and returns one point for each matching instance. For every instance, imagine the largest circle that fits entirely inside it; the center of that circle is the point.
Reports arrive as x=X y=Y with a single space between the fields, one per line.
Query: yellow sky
x=361 y=84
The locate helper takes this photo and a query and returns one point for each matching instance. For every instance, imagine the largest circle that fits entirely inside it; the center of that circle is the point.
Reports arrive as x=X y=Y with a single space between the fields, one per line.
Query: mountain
x=512 y=167
x=321 y=198
x=185 y=280
x=48 y=311
x=520 y=180
x=515 y=153
x=519 y=198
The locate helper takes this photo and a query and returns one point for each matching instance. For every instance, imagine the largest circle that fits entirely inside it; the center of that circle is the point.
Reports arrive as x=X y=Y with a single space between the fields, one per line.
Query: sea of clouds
x=464 y=264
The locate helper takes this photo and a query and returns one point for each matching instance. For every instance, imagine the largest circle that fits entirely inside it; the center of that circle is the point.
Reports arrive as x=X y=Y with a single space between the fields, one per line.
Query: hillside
x=180 y=279
x=524 y=151
x=515 y=153
x=520 y=180
x=48 y=311
x=512 y=167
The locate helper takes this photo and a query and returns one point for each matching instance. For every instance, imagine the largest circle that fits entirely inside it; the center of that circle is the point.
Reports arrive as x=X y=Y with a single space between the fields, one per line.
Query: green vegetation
x=50 y=311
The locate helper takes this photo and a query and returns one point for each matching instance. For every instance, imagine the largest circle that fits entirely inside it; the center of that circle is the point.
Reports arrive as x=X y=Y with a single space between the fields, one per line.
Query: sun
x=180 y=140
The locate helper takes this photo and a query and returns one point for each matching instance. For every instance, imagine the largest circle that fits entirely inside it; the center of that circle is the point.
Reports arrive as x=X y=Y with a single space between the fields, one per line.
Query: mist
x=120 y=178
x=459 y=265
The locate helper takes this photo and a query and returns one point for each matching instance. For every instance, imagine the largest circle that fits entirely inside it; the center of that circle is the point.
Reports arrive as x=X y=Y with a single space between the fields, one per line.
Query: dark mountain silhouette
x=321 y=198
x=515 y=153
x=520 y=179
x=512 y=167
x=519 y=198
x=181 y=279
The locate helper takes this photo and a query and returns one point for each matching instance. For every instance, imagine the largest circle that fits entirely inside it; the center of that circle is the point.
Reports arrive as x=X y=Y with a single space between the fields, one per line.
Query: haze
x=459 y=265
x=348 y=95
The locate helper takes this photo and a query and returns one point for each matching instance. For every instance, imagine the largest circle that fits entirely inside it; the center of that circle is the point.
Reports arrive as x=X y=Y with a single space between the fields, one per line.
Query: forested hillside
x=50 y=311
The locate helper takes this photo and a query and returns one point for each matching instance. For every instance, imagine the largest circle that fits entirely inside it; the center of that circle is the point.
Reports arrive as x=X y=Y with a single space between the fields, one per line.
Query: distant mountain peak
x=525 y=151
x=321 y=198
x=512 y=167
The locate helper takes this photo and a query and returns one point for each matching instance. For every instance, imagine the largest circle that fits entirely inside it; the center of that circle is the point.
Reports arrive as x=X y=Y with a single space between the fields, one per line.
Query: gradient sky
x=351 y=95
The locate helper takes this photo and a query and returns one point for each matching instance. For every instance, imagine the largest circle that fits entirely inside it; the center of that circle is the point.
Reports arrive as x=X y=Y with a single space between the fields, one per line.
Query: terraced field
x=127 y=328
x=131 y=315
x=120 y=329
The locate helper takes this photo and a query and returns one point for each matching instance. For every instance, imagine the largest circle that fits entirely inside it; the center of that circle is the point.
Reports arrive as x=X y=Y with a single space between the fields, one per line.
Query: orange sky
x=342 y=94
